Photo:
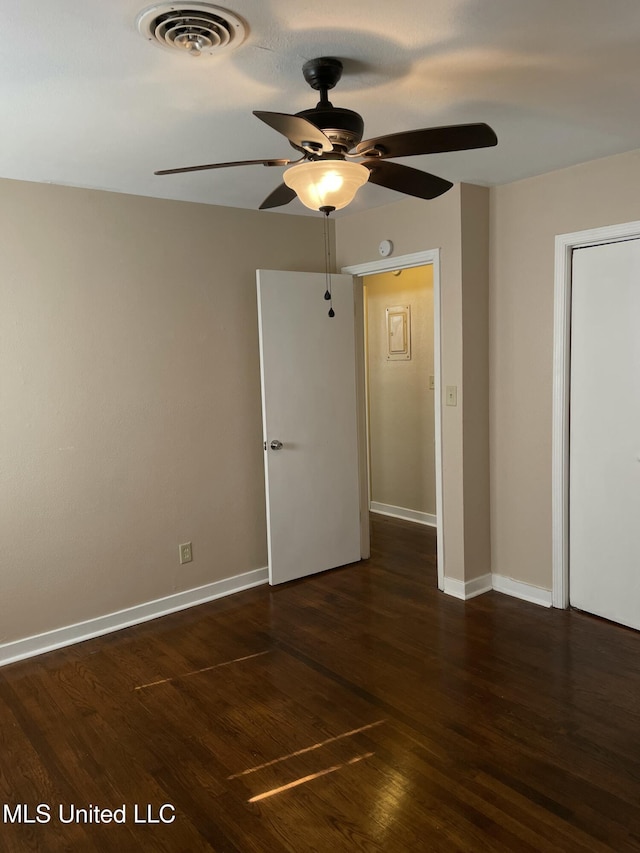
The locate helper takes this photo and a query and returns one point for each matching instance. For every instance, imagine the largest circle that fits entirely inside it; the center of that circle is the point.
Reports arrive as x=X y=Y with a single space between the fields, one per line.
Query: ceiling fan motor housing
x=343 y=127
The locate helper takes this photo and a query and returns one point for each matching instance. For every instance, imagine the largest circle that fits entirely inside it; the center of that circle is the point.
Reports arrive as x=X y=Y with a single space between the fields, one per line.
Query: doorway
x=566 y=246
x=398 y=309
x=430 y=258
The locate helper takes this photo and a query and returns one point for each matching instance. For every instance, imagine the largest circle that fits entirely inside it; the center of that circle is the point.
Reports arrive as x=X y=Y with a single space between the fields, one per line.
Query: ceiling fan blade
x=406 y=180
x=223 y=166
x=431 y=140
x=298 y=130
x=281 y=195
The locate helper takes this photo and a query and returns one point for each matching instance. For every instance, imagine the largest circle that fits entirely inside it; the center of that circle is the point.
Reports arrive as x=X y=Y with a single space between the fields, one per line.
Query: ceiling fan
x=326 y=176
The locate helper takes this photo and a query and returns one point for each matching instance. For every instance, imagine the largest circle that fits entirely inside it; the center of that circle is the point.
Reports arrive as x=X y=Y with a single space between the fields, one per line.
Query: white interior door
x=604 y=481
x=309 y=417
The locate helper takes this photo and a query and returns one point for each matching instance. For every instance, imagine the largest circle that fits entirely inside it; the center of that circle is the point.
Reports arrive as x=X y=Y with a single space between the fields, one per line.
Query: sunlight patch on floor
x=309 y=778
x=198 y=671
x=306 y=749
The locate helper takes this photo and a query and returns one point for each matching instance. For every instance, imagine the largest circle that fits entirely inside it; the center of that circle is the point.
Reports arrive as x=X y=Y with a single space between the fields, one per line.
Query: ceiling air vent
x=196 y=29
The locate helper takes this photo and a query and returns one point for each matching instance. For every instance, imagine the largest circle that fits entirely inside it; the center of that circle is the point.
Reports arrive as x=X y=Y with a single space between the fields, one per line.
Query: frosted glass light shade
x=326 y=183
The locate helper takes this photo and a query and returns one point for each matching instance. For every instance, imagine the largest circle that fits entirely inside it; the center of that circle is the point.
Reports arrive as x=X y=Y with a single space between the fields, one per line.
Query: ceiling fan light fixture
x=325 y=180
x=326 y=183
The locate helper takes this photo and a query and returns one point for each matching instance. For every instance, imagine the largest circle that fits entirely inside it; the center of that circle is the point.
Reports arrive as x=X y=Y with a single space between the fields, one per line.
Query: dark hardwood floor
x=359 y=710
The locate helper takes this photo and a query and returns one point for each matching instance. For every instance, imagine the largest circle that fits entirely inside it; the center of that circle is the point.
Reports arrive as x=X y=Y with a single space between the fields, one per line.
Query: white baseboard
x=402 y=512
x=31 y=646
x=60 y=637
x=524 y=591
x=468 y=589
x=508 y=586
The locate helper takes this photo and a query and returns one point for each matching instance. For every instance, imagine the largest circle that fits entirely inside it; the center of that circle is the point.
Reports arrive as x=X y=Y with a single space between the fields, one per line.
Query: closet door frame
x=564 y=247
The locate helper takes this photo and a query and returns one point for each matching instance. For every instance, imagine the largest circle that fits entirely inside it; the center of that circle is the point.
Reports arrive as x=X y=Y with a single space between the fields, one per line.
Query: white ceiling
x=86 y=101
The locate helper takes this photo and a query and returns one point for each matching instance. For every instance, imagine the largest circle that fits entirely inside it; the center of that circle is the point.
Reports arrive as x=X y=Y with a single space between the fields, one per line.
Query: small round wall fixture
x=195 y=29
x=385 y=248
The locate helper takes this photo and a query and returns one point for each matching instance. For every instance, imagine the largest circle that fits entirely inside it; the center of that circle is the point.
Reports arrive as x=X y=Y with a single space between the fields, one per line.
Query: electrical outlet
x=186 y=553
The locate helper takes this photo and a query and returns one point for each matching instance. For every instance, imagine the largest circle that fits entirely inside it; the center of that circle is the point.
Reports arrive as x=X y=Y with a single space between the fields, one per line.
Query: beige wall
x=415 y=225
x=130 y=396
x=475 y=324
x=129 y=380
x=401 y=406
x=525 y=217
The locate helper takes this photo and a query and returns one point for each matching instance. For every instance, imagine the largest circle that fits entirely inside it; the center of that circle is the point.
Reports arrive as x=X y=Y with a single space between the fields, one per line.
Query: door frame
x=430 y=257
x=564 y=246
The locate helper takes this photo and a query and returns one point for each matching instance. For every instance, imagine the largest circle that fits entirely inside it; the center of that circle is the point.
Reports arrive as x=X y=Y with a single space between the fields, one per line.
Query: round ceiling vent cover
x=195 y=29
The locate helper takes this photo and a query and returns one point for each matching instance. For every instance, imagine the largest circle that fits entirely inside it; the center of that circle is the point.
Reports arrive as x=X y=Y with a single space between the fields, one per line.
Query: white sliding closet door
x=604 y=483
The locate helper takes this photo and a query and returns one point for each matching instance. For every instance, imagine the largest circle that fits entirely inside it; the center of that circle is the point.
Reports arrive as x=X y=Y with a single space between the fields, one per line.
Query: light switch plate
x=452 y=395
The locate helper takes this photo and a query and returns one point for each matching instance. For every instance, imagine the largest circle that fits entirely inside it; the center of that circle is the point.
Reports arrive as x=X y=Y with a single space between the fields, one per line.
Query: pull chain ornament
x=327 y=259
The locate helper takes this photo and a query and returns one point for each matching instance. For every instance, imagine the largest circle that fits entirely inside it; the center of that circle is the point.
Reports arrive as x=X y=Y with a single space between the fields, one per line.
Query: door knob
x=276 y=445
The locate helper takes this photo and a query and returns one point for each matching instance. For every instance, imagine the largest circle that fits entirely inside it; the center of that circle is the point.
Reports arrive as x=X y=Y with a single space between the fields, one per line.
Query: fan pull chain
x=327 y=259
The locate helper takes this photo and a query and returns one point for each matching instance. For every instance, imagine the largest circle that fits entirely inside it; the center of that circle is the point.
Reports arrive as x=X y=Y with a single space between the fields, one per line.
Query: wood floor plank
x=356 y=710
